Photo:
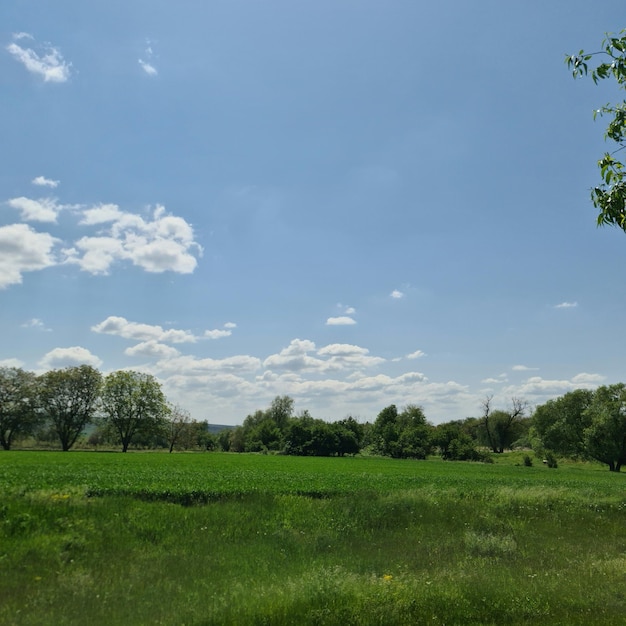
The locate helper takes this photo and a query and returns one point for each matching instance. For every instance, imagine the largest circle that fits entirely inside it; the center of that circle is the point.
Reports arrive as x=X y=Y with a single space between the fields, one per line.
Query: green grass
x=104 y=539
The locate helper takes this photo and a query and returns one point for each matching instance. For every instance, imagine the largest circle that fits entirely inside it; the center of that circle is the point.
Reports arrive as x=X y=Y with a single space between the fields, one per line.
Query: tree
x=18 y=404
x=610 y=196
x=177 y=426
x=560 y=423
x=69 y=400
x=132 y=404
x=402 y=435
x=502 y=428
x=605 y=437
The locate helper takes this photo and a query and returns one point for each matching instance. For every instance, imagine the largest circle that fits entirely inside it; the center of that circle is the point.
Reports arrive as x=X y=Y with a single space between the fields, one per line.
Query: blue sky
x=355 y=203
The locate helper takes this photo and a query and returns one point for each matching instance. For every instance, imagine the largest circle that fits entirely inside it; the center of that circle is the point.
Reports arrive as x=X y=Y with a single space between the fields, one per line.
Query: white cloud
x=163 y=244
x=523 y=368
x=35 y=323
x=148 y=68
x=584 y=379
x=42 y=210
x=396 y=294
x=121 y=327
x=566 y=305
x=42 y=181
x=69 y=357
x=340 y=321
x=295 y=357
x=23 y=250
x=217 y=334
x=153 y=349
x=350 y=310
x=146 y=63
x=101 y=214
x=11 y=363
x=48 y=62
x=230 y=325
x=418 y=354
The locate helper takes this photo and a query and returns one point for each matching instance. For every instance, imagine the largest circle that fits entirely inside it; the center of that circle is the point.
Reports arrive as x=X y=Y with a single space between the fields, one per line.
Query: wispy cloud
x=46 y=62
x=566 y=305
x=35 y=323
x=146 y=63
x=42 y=181
x=396 y=294
x=523 y=368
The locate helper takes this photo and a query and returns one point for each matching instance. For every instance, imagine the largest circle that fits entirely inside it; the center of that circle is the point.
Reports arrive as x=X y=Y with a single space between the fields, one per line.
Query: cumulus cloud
x=42 y=181
x=23 y=250
x=588 y=379
x=46 y=61
x=566 y=305
x=340 y=321
x=333 y=357
x=418 y=354
x=69 y=357
x=101 y=214
x=230 y=325
x=523 y=368
x=121 y=327
x=11 y=363
x=42 y=210
x=396 y=294
x=152 y=349
x=164 y=243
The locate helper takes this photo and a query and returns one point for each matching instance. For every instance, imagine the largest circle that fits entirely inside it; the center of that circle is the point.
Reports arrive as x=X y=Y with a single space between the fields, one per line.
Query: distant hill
x=218 y=428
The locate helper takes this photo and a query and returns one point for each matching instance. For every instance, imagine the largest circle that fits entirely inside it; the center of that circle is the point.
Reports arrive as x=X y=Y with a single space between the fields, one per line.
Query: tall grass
x=307 y=541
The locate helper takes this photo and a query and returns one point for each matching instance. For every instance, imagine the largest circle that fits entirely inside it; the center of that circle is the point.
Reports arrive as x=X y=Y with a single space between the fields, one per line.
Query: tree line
x=129 y=408
x=125 y=407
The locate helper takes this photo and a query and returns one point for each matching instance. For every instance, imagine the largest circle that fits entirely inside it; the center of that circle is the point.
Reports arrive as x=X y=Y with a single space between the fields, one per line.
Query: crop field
x=152 y=538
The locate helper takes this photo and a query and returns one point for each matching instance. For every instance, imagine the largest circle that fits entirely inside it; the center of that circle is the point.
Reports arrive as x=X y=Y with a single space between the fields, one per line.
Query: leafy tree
x=560 y=423
x=455 y=444
x=69 y=400
x=177 y=427
x=501 y=428
x=610 y=196
x=402 y=435
x=18 y=404
x=350 y=435
x=133 y=404
x=605 y=437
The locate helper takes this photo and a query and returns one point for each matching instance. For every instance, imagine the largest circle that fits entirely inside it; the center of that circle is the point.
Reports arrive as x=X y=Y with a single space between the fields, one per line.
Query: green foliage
x=19 y=400
x=605 y=437
x=133 y=405
x=560 y=423
x=68 y=399
x=402 y=435
x=610 y=196
x=585 y=424
x=499 y=429
x=455 y=444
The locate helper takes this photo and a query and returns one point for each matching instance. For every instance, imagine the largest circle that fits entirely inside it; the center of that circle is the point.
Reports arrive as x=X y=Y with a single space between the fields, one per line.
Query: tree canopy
x=610 y=195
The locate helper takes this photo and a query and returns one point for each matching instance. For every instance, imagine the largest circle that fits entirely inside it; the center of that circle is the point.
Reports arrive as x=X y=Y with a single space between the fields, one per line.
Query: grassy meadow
x=152 y=538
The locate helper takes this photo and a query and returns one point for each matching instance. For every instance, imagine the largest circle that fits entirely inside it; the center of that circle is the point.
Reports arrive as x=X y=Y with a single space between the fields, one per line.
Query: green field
x=150 y=538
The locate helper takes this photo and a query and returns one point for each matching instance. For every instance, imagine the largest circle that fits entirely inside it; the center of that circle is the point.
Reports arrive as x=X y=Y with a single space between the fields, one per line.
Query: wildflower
x=387 y=577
